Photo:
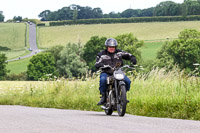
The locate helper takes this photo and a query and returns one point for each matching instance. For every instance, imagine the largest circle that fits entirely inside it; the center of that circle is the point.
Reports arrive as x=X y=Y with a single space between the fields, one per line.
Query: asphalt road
x=20 y=119
x=32 y=42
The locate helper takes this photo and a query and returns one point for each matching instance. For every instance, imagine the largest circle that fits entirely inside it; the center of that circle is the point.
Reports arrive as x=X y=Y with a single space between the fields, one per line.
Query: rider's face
x=111 y=49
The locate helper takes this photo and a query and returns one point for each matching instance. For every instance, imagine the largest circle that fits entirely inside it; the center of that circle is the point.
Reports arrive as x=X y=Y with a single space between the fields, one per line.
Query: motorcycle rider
x=110 y=56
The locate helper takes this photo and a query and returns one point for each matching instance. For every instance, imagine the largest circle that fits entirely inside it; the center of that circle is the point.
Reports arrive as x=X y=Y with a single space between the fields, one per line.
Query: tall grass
x=158 y=94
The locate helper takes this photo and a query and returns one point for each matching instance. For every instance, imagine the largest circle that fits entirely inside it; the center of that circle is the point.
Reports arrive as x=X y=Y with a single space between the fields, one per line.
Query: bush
x=2 y=48
x=70 y=63
x=127 y=20
x=91 y=49
x=130 y=44
x=185 y=51
x=17 y=77
x=41 y=66
x=3 y=63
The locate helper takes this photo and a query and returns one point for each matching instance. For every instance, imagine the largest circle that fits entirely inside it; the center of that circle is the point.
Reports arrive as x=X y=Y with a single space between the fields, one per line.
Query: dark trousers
x=103 y=85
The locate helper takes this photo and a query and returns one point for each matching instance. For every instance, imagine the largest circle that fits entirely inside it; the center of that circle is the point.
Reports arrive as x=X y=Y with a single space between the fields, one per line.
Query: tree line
x=167 y=8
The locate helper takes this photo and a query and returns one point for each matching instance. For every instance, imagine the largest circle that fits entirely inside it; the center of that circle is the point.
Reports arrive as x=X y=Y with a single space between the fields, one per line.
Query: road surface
x=20 y=119
x=32 y=42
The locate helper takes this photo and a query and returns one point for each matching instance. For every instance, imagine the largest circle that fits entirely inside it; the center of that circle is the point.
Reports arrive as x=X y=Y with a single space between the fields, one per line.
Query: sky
x=32 y=8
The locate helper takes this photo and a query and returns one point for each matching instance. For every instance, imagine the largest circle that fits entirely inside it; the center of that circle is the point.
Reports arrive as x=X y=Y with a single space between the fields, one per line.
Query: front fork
x=116 y=91
x=117 y=84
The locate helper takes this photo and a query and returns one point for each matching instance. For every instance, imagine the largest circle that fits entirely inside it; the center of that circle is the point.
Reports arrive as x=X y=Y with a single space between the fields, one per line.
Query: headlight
x=119 y=76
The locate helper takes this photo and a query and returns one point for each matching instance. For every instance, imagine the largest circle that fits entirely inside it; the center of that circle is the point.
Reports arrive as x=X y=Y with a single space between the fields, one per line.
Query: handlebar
x=108 y=66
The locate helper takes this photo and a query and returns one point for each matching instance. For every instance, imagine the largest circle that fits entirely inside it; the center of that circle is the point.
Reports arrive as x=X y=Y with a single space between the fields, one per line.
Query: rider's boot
x=103 y=99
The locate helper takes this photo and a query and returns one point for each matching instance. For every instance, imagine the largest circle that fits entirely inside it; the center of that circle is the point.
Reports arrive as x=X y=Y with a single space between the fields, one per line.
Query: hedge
x=126 y=20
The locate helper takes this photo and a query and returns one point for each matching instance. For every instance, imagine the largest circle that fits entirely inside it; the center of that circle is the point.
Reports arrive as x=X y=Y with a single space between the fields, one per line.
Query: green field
x=154 y=31
x=150 y=49
x=19 y=66
x=13 y=36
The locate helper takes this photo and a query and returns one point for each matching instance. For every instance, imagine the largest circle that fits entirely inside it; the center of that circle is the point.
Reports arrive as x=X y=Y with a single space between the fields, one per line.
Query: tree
x=129 y=43
x=17 y=18
x=131 y=13
x=114 y=15
x=41 y=66
x=3 y=63
x=185 y=51
x=167 y=8
x=44 y=15
x=91 y=49
x=70 y=63
x=1 y=16
x=55 y=51
x=147 y=12
x=126 y=42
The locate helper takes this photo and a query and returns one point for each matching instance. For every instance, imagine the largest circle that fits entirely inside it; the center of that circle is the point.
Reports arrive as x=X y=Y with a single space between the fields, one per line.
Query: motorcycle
x=116 y=99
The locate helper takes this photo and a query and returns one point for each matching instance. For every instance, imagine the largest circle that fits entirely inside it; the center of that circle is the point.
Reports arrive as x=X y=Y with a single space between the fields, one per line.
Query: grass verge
x=160 y=94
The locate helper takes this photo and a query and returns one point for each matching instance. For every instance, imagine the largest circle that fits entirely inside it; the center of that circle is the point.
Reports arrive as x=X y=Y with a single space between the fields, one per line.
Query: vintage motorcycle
x=116 y=91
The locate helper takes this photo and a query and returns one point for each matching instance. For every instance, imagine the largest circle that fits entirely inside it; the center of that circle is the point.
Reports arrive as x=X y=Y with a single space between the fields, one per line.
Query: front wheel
x=121 y=106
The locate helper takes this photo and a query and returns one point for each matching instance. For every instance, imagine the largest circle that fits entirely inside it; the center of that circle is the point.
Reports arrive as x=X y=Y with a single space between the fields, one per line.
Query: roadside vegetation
x=156 y=94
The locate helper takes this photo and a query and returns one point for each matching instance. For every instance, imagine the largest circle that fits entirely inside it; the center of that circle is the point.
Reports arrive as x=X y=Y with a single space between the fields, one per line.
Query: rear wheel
x=121 y=106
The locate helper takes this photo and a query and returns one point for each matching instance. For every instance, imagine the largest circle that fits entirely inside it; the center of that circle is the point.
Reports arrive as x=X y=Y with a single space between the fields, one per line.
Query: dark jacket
x=106 y=58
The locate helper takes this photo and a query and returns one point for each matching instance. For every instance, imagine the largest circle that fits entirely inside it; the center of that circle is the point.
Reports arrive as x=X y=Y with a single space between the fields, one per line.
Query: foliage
x=2 y=48
x=17 y=18
x=130 y=44
x=184 y=51
x=17 y=77
x=1 y=16
x=167 y=8
x=56 y=51
x=126 y=20
x=127 y=42
x=40 y=66
x=3 y=69
x=91 y=49
x=70 y=64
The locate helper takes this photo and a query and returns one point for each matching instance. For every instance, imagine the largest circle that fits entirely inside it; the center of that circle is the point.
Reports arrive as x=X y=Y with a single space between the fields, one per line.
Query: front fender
x=122 y=83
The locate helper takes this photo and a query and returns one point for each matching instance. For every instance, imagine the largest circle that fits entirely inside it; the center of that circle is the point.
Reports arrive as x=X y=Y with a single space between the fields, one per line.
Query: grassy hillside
x=12 y=35
x=155 y=31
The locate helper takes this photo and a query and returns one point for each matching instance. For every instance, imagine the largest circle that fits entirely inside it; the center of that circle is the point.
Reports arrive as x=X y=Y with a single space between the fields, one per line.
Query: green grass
x=150 y=49
x=161 y=94
x=19 y=66
x=155 y=31
x=12 y=35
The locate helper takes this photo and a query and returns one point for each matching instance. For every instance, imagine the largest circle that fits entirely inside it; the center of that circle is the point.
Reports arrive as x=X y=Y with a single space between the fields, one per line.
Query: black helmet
x=111 y=42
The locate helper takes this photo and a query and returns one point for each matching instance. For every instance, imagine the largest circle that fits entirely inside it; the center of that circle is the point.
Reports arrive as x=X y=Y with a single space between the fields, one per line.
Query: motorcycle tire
x=108 y=111
x=121 y=106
